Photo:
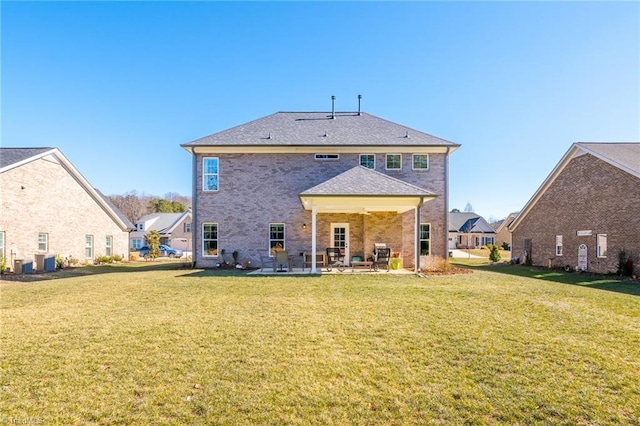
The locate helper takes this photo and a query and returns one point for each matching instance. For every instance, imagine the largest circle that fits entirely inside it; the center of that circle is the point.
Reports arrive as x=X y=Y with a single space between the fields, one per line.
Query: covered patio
x=381 y=200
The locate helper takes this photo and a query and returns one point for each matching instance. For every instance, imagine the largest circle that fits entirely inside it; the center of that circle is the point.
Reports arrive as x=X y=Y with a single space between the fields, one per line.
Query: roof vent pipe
x=333 y=107
x=359 y=99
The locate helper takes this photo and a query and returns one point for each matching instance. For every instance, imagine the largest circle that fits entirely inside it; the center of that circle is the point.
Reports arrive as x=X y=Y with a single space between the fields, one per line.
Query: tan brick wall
x=256 y=190
x=42 y=197
x=590 y=195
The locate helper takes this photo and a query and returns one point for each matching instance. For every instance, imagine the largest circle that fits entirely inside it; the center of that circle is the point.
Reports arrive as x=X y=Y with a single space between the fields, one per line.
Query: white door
x=340 y=239
x=582 y=257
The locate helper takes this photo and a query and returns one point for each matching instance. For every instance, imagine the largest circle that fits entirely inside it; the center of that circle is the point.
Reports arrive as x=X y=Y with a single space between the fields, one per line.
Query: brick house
x=48 y=208
x=586 y=212
x=174 y=229
x=469 y=230
x=502 y=229
x=306 y=181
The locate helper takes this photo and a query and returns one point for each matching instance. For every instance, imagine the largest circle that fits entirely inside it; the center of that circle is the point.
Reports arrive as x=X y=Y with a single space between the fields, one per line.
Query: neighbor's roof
x=164 y=222
x=625 y=156
x=319 y=129
x=12 y=157
x=467 y=222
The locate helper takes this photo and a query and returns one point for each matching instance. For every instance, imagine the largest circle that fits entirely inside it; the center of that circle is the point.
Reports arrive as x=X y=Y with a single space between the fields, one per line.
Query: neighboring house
x=502 y=229
x=586 y=212
x=305 y=181
x=48 y=208
x=174 y=229
x=469 y=230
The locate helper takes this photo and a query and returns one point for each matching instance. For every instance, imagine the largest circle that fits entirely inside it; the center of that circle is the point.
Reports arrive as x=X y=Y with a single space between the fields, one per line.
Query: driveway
x=464 y=254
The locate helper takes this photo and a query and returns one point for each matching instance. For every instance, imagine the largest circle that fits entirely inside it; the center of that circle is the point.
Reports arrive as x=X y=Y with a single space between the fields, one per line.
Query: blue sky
x=118 y=86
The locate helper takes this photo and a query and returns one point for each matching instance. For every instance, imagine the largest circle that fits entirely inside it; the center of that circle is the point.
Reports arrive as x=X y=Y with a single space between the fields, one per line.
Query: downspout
x=446 y=203
x=194 y=209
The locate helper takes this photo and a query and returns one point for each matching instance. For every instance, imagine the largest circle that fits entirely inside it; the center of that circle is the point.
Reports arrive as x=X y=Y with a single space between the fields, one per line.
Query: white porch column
x=314 y=211
x=417 y=240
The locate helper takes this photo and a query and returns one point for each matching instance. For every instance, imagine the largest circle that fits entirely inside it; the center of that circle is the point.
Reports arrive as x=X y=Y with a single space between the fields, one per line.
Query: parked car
x=164 y=251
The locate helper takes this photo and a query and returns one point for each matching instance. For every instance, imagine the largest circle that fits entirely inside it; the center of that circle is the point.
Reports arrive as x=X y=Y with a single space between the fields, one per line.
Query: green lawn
x=155 y=344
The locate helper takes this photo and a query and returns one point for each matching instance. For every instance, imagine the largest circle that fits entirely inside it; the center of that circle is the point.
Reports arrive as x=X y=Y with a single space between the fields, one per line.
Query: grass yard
x=155 y=344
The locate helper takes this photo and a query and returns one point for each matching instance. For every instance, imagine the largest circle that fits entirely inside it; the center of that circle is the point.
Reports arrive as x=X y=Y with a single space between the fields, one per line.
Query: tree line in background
x=134 y=205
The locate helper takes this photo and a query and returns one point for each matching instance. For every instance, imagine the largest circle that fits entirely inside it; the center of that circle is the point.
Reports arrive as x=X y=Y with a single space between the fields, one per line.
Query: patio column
x=314 y=211
x=417 y=240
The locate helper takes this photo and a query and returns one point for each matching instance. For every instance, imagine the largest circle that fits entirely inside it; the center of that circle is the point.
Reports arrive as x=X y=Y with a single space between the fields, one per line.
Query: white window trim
x=427 y=239
x=599 y=247
x=386 y=163
x=558 y=245
x=421 y=169
x=217 y=240
x=204 y=175
x=360 y=160
x=88 y=246
x=46 y=242
x=108 y=250
x=284 y=236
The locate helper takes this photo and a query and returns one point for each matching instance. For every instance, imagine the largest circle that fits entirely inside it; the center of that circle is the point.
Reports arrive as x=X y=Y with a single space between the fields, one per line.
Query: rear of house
x=587 y=212
x=307 y=181
x=49 y=209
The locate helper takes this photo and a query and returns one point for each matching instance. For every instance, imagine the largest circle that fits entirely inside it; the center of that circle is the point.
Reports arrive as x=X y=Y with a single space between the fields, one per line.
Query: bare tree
x=468 y=208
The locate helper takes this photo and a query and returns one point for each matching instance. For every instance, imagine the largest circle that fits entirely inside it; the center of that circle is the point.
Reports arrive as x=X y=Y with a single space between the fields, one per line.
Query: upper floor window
x=601 y=247
x=210 y=174
x=186 y=227
x=276 y=237
x=140 y=227
x=210 y=239
x=327 y=156
x=394 y=161
x=558 y=245
x=1 y=245
x=420 y=161
x=368 y=161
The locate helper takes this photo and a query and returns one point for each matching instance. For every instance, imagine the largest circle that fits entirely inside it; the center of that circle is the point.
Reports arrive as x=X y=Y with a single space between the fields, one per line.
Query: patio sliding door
x=340 y=239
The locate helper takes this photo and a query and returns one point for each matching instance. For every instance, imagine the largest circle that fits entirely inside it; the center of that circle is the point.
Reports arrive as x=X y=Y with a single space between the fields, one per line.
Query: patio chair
x=266 y=260
x=335 y=257
x=382 y=256
x=281 y=258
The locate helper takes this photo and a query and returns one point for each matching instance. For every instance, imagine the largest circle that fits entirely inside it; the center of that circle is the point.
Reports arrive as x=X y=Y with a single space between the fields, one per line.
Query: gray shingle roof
x=319 y=129
x=626 y=155
x=361 y=181
x=163 y=221
x=10 y=156
x=473 y=222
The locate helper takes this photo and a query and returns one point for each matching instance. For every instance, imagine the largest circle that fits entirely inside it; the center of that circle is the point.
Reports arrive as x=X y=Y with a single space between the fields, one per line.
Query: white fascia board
x=319 y=149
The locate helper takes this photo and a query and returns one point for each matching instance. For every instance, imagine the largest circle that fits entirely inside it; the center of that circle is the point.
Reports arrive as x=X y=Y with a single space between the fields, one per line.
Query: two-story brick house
x=586 y=212
x=305 y=181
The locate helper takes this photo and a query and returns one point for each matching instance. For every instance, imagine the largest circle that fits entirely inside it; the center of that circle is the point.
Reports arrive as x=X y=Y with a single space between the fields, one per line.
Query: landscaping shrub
x=434 y=264
x=505 y=246
x=494 y=256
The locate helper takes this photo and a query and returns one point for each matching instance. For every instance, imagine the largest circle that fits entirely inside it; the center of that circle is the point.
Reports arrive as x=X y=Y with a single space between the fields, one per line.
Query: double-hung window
x=558 y=245
x=276 y=237
x=368 y=161
x=88 y=246
x=108 y=250
x=420 y=162
x=1 y=245
x=210 y=174
x=186 y=227
x=43 y=242
x=210 y=239
x=425 y=239
x=394 y=161
x=601 y=247
x=136 y=243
